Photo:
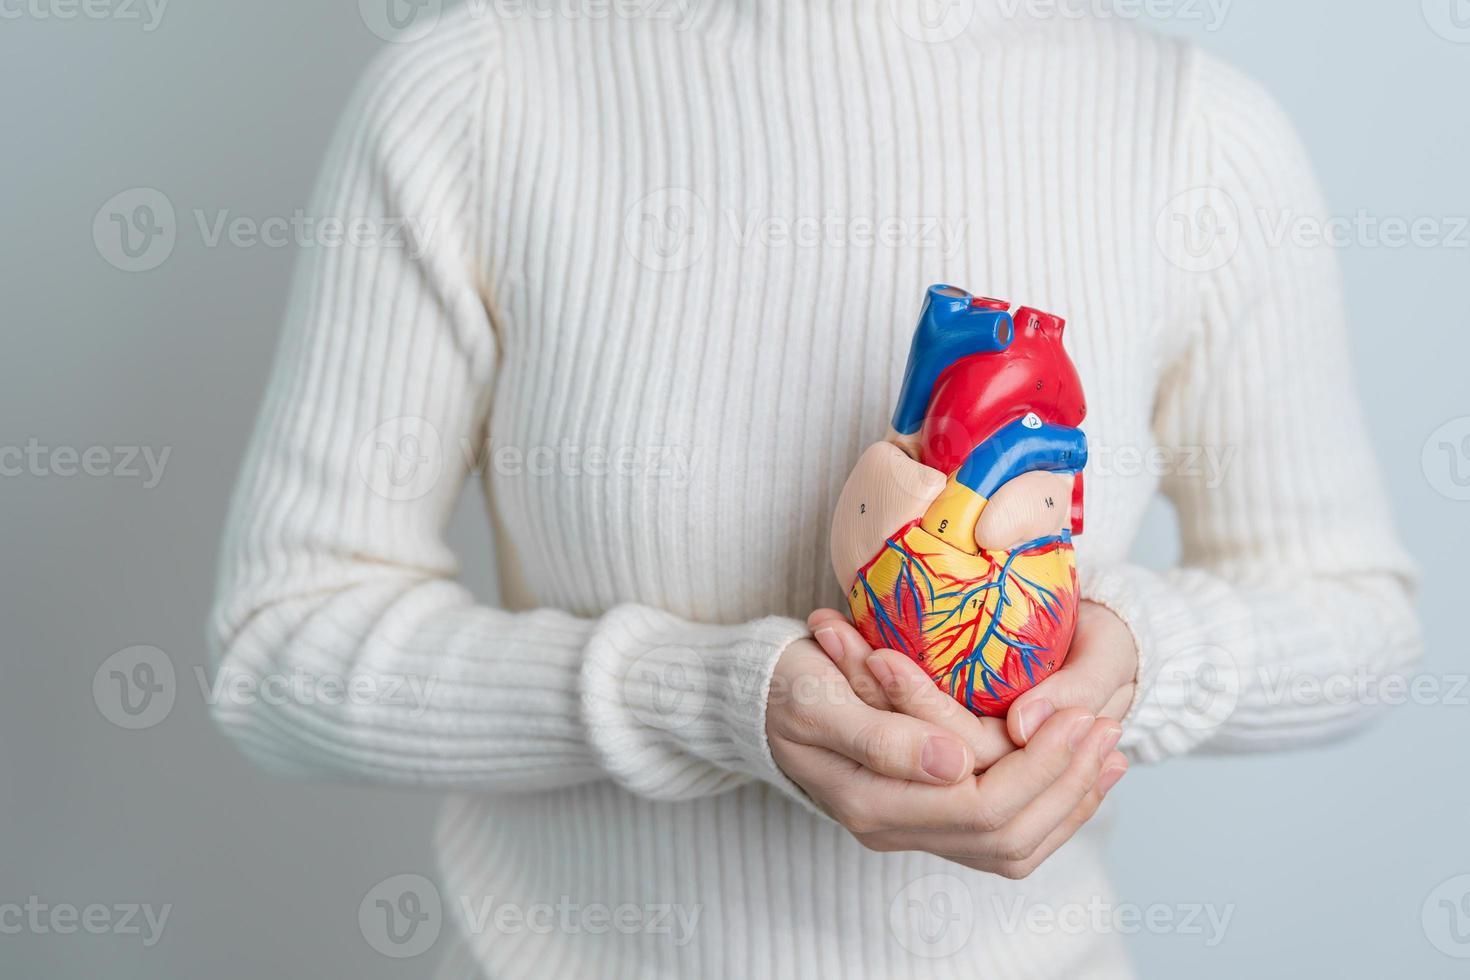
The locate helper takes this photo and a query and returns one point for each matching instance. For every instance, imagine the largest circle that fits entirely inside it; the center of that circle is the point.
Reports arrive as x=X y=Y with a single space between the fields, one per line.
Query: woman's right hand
x=927 y=775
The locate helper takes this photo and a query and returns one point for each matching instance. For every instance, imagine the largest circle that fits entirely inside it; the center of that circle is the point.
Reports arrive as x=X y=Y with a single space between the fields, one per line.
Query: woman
x=659 y=284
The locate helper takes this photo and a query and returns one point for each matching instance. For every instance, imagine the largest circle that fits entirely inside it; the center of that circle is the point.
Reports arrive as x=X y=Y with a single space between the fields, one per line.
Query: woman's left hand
x=1098 y=674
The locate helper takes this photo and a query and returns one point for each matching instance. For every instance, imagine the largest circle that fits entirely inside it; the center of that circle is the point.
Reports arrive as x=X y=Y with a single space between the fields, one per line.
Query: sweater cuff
x=1193 y=637
x=677 y=710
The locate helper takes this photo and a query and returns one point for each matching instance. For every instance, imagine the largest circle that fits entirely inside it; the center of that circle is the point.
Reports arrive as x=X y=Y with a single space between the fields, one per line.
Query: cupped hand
x=903 y=777
x=1097 y=676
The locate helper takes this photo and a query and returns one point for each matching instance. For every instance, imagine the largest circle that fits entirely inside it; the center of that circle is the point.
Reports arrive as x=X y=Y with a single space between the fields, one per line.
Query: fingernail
x=1033 y=715
x=1080 y=728
x=1109 y=742
x=881 y=671
x=830 y=643
x=1110 y=779
x=943 y=758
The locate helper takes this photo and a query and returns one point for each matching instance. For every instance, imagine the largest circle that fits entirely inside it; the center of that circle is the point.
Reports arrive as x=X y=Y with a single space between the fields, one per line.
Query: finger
x=823 y=617
x=1113 y=770
x=1014 y=782
x=1023 y=835
x=867 y=803
x=1089 y=678
x=1040 y=818
x=1117 y=708
x=912 y=691
x=887 y=743
x=841 y=641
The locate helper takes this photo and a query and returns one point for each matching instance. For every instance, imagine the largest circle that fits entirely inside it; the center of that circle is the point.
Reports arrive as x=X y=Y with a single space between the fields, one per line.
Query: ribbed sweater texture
x=653 y=279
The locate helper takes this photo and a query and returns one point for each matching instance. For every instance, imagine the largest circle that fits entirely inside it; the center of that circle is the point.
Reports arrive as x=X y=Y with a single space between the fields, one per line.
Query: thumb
x=1100 y=665
x=1073 y=686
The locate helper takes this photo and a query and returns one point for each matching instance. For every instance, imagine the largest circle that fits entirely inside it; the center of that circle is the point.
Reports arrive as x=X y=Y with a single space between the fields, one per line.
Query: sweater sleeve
x=342 y=643
x=1294 y=597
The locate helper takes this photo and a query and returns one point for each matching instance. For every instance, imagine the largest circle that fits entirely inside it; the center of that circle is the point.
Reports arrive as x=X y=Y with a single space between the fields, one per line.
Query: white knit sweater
x=667 y=271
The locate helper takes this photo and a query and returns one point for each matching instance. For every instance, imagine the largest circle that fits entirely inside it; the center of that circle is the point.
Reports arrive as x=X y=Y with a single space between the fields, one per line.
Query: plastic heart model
x=954 y=537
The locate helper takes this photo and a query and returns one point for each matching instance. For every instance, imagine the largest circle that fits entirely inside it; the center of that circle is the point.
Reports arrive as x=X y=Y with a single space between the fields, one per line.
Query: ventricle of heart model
x=954 y=536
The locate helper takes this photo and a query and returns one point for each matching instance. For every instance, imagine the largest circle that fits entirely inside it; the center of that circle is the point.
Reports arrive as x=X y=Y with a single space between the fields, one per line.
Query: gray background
x=1329 y=856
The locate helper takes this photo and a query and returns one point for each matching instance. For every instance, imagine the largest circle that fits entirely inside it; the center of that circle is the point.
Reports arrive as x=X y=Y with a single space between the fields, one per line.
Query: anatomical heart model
x=954 y=537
